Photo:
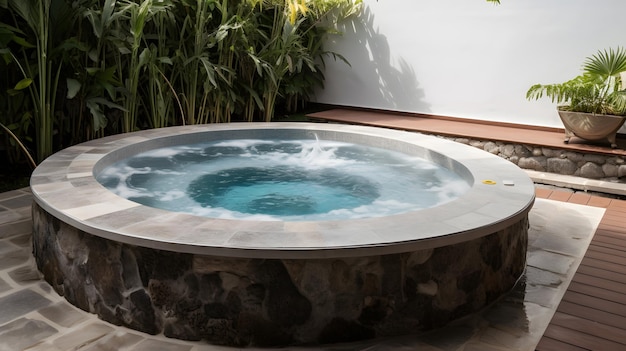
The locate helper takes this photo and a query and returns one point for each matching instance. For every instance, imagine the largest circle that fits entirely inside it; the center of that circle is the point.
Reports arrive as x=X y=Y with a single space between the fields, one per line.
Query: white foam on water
x=170 y=151
x=405 y=182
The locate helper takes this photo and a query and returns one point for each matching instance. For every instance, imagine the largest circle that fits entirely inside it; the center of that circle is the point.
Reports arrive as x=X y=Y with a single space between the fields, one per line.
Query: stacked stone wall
x=276 y=302
x=559 y=161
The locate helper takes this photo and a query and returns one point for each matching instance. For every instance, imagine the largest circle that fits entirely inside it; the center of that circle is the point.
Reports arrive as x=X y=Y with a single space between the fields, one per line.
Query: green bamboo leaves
x=96 y=67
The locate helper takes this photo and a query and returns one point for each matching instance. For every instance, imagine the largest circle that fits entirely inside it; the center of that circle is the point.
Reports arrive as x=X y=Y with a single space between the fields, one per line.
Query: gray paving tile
x=116 y=341
x=45 y=287
x=83 y=337
x=4 y=286
x=14 y=228
x=7 y=247
x=551 y=261
x=45 y=346
x=11 y=194
x=20 y=303
x=545 y=278
x=22 y=200
x=25 y=275
x=63 y=314
x=10 y=216
x=160 y=345
x=23 y=333
x=23 y=240
x=14 y=259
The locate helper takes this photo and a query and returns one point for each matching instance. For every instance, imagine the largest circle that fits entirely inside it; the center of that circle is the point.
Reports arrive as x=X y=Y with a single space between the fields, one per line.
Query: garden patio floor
x=588 y=314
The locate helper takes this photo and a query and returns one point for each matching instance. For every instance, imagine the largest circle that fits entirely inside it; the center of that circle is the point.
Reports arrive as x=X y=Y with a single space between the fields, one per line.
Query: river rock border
x=559 y=161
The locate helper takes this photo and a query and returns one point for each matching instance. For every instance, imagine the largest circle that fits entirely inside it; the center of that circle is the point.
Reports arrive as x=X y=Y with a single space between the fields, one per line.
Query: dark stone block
x=392 y=279
x=469 y=281
x=211 y=288
x=410 y=288
x=106 y=266
x=258 y=331
x=177 y=330
x=284 y=304
x=161 y=265
x=143 y=318
x=216 y=310
x=491 y=251
x=130 y=273
x=341 y=330
x=161 y=293
x=374 y=312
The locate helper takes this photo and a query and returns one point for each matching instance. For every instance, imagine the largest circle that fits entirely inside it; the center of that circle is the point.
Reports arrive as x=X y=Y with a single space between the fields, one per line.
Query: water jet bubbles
x=283 y=179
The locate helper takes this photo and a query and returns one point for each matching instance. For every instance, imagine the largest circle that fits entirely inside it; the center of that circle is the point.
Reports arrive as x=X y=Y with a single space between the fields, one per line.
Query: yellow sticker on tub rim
x=489 y=182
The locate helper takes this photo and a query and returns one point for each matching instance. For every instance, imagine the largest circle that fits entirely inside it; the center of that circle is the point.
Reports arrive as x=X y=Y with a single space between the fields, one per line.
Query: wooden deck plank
x=581 y=340
x=618 y=231
x=560 y=196
x=597 y=201
x=608 y=239
x=615 y=251
x=592 y=314
x=616 y=217
x=595 y=303
x=610 y=262
x=600 y=283
x=603 y=269
x=619 y=204
x=584 y=326
x=614 y=296
x=549 y=344
x=542 y=193
x=580 y=198
x=610 y=231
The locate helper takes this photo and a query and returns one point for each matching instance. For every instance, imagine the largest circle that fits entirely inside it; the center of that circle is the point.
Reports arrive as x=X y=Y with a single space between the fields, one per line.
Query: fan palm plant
x=592 y=104
x=597 y=90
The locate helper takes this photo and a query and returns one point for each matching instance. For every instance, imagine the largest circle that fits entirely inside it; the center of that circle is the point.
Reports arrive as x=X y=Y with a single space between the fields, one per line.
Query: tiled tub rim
x=64 y=186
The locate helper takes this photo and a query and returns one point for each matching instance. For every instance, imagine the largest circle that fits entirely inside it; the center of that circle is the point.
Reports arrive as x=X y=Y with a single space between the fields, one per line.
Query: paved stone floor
x=34 y=317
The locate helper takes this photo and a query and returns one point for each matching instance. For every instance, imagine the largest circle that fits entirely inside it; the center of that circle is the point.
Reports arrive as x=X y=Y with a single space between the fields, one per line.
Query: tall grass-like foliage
x=80 y=69
x=46 y=21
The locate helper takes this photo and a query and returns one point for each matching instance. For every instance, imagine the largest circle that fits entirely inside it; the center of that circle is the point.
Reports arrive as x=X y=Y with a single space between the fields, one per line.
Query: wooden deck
x=548 y=137
x=592 y=313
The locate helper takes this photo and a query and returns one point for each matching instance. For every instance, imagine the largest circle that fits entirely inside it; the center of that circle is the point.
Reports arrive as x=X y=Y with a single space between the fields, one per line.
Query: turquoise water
x=282 y=180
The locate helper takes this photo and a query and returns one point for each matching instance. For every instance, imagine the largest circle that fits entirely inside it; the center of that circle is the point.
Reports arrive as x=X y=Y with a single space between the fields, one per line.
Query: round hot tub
x=277 y=281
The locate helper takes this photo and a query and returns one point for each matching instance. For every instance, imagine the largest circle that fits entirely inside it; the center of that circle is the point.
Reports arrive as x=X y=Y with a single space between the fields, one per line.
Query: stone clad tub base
x=267 y=302
x=271 y=295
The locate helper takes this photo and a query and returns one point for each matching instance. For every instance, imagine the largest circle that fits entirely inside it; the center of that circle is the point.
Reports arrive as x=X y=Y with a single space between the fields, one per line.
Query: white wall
x=467 y=58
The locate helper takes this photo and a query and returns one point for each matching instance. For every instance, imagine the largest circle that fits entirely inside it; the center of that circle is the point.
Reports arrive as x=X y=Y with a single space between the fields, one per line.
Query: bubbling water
x=292 y=180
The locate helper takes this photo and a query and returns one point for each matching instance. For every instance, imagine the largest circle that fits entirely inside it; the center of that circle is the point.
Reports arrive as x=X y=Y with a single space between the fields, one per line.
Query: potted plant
x=592 y=105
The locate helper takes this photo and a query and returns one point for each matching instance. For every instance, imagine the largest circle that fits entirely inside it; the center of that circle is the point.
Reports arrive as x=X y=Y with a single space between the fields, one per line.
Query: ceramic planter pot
x=590 y=126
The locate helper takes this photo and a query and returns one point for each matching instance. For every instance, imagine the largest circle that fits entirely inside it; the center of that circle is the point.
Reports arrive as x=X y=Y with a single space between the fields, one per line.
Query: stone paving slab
x=23 y=333
x=20 y=303
x=63 y=314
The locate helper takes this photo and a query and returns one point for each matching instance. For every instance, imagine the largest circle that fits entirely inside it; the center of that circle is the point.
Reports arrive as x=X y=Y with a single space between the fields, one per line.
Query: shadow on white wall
x=395 y=87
